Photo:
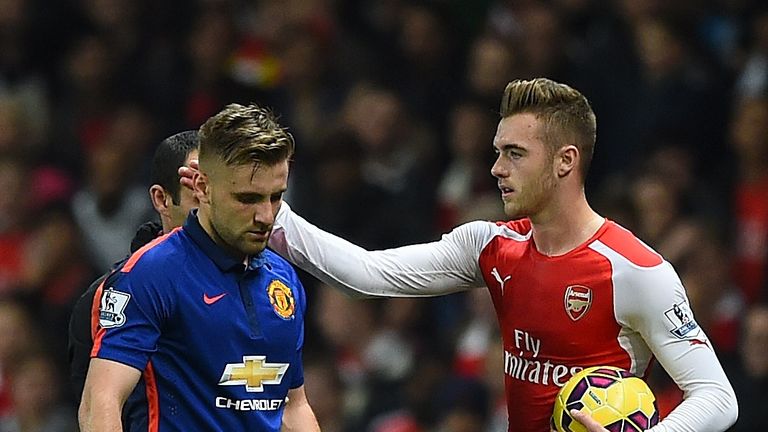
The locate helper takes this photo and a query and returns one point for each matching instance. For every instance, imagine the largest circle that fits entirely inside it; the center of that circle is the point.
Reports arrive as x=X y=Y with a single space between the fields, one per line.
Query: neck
x=205 y=222
x=565 y=225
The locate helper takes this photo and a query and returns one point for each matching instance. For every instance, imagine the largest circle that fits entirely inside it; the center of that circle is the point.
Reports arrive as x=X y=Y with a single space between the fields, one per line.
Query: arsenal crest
x=578 y=299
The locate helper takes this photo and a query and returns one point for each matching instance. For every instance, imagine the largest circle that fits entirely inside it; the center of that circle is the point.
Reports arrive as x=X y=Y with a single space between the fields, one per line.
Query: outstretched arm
x=429 y=269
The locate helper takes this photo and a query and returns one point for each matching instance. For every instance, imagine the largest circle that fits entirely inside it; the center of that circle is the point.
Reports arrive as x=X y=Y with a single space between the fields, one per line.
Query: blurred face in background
x=15 y=328
x=34 y=386
x=754 y=347
x=12 y=198
x=749 y=131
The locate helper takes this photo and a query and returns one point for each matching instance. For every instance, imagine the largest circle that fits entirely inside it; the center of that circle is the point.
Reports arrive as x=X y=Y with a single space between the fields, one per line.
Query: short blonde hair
x=240 y=135
x=565 y=113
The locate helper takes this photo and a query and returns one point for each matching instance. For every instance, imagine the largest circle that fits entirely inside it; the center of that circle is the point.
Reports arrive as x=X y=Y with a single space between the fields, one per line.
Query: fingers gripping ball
x=615 y=398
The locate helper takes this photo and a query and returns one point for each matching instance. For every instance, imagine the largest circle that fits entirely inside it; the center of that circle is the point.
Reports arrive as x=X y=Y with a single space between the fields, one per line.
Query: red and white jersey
x=610 y=301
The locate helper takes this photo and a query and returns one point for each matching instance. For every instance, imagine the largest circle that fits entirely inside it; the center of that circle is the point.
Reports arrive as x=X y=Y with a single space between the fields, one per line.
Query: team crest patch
x=281 y=298
x=111 y=308
x=681 y=318
x=578 y=299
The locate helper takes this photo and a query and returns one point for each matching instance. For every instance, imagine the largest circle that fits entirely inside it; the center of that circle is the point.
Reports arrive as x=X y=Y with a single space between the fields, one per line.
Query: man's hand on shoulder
x=187 y=173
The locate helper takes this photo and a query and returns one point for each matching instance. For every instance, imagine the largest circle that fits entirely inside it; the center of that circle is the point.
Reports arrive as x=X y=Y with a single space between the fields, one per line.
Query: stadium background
x=394 y=105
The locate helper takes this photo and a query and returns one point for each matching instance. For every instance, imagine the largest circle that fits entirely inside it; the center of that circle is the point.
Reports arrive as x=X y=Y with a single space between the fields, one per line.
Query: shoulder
x=157 y=256
x=279 y=265
x=620 y=246
x=518 y=226
x=483 y=230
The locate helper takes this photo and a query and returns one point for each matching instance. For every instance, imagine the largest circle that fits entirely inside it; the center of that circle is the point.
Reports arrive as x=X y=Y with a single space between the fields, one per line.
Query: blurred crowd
x=393 y=104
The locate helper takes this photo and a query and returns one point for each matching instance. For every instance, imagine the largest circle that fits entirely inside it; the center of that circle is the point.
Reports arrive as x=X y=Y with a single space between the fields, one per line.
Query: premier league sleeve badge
x=112 y=307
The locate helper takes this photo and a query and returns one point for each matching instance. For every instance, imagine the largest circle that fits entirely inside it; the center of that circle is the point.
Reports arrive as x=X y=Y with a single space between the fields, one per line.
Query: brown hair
x=564 y=112
x=241 y=135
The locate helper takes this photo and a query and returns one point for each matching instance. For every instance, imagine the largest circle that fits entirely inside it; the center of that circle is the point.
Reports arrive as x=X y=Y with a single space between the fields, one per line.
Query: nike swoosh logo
x=212 y=300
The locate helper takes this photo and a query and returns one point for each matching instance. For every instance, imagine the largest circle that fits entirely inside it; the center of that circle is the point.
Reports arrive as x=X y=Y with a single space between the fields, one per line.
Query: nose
x=498 y=170
x=264 y=213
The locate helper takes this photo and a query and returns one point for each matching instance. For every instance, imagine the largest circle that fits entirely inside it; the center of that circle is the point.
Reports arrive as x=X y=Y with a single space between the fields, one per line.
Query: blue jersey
x=218 y=342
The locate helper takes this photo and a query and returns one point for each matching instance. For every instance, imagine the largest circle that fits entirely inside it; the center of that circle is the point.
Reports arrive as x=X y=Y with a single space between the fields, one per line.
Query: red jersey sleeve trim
x=97 y=333
x=153 y=399
x=139 y=253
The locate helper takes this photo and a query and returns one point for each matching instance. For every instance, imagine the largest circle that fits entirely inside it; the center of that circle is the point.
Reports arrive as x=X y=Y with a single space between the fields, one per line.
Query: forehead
x=264 y=179
x=522 y=129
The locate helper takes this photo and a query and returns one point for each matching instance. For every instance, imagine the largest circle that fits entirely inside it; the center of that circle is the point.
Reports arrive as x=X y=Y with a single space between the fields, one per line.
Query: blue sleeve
x=131 y=315
x=297 y=378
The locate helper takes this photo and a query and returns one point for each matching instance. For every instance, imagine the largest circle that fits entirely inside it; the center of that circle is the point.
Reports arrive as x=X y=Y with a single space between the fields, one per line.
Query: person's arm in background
x=107 y=387
x=298 y=415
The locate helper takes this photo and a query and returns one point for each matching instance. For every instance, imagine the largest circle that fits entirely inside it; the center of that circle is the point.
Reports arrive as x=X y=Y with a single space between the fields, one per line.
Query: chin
x=515 y=212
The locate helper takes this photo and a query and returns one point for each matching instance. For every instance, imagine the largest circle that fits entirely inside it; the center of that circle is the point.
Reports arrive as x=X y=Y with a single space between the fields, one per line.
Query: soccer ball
x=615 y=398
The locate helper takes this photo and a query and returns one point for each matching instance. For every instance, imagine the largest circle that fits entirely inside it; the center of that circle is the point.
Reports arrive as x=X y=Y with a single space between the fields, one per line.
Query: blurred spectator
x=491 y=62
x=749 y=137
x=325 y=393
x=750 y=379
x=108 y=209
x=206 y=87
x=20 y=78
x=13 y=213
x=35 y=387
x=347 y=326
x=352 y=206
x=467 y=183
x=19 y=336
x=476 y=340
x=397 y=157
x=54 y=272
x=753 y=80
x=660 y=219
x=425 y=69
x=716 y=302
x=14 y=129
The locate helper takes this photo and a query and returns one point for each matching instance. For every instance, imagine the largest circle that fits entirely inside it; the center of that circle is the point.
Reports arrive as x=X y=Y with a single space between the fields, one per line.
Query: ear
x=161 y=200
x=200 y=187
x=566 y=160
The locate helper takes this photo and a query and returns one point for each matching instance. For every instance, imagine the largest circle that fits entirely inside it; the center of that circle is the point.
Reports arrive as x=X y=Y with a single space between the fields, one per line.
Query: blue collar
x=223 y=260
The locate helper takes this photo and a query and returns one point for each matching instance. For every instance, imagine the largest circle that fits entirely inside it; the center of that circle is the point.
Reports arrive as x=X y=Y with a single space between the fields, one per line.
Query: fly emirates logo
x=525 y=365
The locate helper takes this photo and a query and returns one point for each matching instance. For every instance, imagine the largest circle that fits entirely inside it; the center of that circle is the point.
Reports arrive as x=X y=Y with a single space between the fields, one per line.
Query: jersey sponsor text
x=248 y=404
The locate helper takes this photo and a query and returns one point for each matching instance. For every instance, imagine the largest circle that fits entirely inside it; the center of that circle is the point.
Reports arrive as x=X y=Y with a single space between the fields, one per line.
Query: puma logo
x=495 y=274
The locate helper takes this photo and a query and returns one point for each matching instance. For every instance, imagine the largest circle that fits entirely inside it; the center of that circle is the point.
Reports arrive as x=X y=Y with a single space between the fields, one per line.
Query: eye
x=276 y=197
x=248 y=198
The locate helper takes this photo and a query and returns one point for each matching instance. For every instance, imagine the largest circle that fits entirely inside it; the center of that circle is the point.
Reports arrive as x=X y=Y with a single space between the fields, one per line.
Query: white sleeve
x=655 y=305
x=429 y=269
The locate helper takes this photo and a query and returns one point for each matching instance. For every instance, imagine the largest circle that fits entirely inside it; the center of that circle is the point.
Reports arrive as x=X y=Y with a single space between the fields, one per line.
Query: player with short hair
x=208 y=326
x=571 y=289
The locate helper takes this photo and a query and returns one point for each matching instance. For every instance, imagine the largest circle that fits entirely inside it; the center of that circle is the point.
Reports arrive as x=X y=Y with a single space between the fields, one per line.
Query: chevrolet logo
x=254 y=372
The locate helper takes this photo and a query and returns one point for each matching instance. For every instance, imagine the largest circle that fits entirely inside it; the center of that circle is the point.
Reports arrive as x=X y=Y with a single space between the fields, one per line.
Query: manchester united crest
x=578 y=299
x=281 y=298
